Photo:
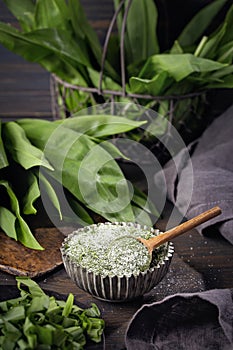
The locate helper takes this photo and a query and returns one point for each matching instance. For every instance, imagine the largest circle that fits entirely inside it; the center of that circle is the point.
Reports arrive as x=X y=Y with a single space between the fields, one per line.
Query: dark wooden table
x=200 y=263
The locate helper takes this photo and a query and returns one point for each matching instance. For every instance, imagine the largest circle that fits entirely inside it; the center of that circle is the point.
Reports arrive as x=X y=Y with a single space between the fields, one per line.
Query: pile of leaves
x=57 y=35
x=36 y=320
x=46 y=157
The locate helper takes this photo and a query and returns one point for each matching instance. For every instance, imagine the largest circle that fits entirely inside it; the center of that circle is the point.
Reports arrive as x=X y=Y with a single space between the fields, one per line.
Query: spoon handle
x=182 y=228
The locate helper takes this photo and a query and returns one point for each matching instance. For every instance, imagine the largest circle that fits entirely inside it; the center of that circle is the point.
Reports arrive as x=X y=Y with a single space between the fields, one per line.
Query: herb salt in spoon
x=126 y=254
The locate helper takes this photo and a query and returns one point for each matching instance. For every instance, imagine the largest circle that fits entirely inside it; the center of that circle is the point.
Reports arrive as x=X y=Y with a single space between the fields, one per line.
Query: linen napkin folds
x=207 y=179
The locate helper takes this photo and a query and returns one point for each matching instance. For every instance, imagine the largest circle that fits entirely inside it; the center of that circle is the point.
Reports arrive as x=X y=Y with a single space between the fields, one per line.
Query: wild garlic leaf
x=199 y=23
x=178 y=66
x=32 y=194
x=140 y=34
x=82 y=217
x=18 y=43
x=24 y=234
x=51 y=14
x=99 y=126
x=3 y=157
x=20 y=148
x=24 y=12
x=49 y=190
x=7 y=222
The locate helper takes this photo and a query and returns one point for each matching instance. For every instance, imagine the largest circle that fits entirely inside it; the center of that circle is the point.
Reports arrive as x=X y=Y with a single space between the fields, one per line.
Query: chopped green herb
x=37 y=321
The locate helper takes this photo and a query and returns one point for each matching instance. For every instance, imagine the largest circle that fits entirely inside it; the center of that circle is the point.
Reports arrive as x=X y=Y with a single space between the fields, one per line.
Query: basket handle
x=122 y=49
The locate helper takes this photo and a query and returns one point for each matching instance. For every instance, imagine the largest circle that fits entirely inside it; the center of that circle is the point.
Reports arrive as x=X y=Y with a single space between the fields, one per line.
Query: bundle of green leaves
x=57 y=35
x=36 y=320
x=48 y=156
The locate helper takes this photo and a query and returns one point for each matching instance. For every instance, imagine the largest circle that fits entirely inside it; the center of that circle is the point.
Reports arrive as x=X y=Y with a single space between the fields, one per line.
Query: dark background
x=25 y=87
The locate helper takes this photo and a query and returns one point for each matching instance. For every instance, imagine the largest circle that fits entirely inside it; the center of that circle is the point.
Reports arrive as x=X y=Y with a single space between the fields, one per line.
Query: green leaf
x=142 y=201
x=82 y=215
x=140 y=35
x=154 y=86
x=58 y=41
x=210 y=48
x=229 y=26
x=50 y=192
x=178 y=66
x=22 y=151
x=7 y=222
x=3 y=158
x=33 y=193
x=18 y=43
x=24 y=12
x=68 y=305
x=226 y=82
x=225 y=53
x=34 y=288
x=99 y=126
x=51 y=14
x=84 y=30
x=199 y=23
x=24 y=234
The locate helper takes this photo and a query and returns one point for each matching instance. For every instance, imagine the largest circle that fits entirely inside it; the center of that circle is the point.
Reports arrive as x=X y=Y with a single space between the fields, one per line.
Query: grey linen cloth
x=188 y=321
x=211 y=171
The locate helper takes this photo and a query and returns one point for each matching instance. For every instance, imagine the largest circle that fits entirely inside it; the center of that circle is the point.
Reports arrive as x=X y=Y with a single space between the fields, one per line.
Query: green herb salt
x=111 y=249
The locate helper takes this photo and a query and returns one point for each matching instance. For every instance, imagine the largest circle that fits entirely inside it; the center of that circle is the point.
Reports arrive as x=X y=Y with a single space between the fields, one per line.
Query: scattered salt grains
x=108 y=249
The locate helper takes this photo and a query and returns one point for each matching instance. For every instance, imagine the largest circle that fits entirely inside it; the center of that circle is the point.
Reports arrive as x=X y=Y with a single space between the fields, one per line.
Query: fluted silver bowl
x=117 y=288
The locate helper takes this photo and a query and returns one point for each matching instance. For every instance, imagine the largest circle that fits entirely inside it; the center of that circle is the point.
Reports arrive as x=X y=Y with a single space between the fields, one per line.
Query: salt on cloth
x=207 y=180
x=185 y=321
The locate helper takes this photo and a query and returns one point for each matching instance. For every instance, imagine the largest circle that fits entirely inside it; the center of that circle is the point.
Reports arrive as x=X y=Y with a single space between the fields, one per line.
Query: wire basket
x=184 y=112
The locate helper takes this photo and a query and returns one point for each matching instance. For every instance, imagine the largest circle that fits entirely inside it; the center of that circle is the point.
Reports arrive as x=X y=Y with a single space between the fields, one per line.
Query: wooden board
x=21 y=261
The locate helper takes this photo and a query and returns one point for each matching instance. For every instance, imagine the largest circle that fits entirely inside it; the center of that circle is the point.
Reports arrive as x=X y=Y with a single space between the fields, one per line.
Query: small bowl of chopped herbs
x=105 y=261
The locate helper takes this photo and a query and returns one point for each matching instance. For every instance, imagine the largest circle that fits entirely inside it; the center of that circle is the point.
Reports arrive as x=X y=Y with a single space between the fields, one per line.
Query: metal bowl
x=117 y=288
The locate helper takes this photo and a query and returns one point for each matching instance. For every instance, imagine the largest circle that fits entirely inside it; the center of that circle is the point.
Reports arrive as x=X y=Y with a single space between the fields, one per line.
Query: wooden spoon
x=154 y=242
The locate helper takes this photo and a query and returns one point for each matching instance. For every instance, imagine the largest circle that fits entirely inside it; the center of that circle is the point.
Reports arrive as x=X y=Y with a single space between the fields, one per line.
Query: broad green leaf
x=154 y=86
x=107 y=82
x=210 y=48
x=16 y=42
x=50 y=192
x=140 y=35
x=37 y=131
x=34 y=288
x=7 y=222
x=100 y=125
x=225 y=53
x=178 y=66
x=227 y=83
x=229 y=26
x=33 y=193
x=82 y=215
x=22 y=151
x=51 y=14
x=3 y=157
x=84 y=30
x=199 y=23
x=143 y=202
x=24 y=12
x=141 y=216
x=51 y=61
x=58 y=41
x=39 y=45
x=24 y=234
x=224 y=72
